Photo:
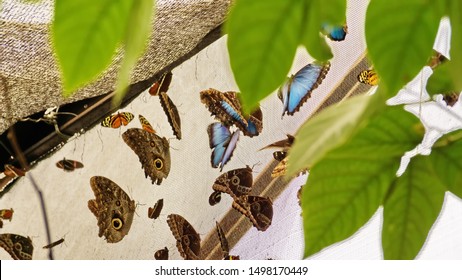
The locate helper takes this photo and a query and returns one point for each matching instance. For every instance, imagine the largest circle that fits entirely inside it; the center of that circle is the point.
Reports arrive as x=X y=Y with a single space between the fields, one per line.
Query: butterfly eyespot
x=158 y=163
x=185 y=240
x=117 y=223
x=235 y=180
x=256 y=207
x=18 y=246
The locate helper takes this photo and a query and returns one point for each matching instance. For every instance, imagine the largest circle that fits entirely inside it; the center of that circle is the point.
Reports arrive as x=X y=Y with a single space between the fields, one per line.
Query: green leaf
x=440 y=81
x=134 y=43
x=399 y=37
x=86 y=34
x=411 y=209
x=446 y=157
x=263 y=36
x=346 y=187
x=329 y=129
x=455 y=66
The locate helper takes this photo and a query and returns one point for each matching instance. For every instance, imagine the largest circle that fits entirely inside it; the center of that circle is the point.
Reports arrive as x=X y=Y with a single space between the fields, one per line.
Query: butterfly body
x=112 y=207
x=117 y=120
x=188 y=241
x=298 y=87
x=19 y=247
x=223 y=144
x=152 y=151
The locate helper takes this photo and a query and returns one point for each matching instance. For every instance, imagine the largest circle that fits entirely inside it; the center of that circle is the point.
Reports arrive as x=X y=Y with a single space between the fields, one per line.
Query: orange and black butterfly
x=69 y=164
x=117 y=120
x=368 y=77
x=145 y=124
x=160 y=88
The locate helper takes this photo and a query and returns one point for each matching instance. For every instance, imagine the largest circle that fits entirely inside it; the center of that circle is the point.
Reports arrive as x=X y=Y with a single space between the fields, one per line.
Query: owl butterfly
x=285 y=143
x=224 y=244
x=226 y=107
x=145 y=124
x=161 y=254
x=160 y=89
x=154 y=212
x=188 y=241
x=298 y=88
x=335 y=33
x=223 y=144
x=152 y=151
x=368 y=77
x=112 y=207
x=436 y=59
x=69 y=164
x=258 y=209
x=117 y=120
x=236 y=182
x=19 y=247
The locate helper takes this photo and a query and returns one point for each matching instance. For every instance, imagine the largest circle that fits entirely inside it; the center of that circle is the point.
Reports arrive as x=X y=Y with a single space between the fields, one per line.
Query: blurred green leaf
x=347 y=186
x=440 y=81
x=329 y=129
x=400 y=36
x=455 y=65
x=86 y=34
x=135 y=40
x=263 y=36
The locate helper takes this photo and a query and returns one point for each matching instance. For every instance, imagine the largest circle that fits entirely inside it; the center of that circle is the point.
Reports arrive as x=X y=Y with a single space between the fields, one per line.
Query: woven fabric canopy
x=31 y=72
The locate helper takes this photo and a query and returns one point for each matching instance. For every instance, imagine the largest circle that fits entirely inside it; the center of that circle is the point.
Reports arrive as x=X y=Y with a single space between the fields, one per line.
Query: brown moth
x=152 y=151
x=69 y=164
x=53 y=244
x=188 y=241
x=161 y=254
x=172 y=114
x=224 y=244
x=112 y=207
x=154 y=212
x=19 y=247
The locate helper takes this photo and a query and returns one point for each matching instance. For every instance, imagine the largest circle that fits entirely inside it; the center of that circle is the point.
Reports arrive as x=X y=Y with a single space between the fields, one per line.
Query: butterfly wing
x=19 y=247
x=162 y=84
x=335 y=33
x=301 y=85
x=225 y=106
x=229 y=149
x=113 y=208
x=172 y=114
x=236 y=182
x=219 y=137
x=145 y=124
x=188 y=241
x=368 y=77
x=117 y=120
x=152 y=151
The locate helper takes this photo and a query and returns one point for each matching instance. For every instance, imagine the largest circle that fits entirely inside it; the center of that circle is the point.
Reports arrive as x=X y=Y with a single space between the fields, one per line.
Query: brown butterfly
x=226 y=107
x=19 y=247
x=53 y=244
x=154 y=212
x=436 y=59
x=188 y=241
x=236 y=182
x=152 y=151
x=112 y=207
x=145 y=124
x=224 y=244
x=258 y=209
x=117 y=120
x=69 y=164
x=160 y=88
x=161 y=254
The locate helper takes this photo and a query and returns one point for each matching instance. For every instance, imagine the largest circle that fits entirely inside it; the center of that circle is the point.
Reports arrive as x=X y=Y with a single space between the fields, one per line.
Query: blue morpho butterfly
x=222 y=142
x=227 y=108
x=297 y=89
x=335 y=33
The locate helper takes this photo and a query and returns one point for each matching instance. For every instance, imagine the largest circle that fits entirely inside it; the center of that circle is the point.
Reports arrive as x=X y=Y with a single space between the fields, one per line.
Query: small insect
x=436 y=59
x=335 y=33
x=154 y=212
x=117 y=120
x=51 y=117
x=145 y=124
x=161 y=254
x=51 y=245
x=368 y=77
x=451 y=98
x=69 y=165
x=6 y=214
